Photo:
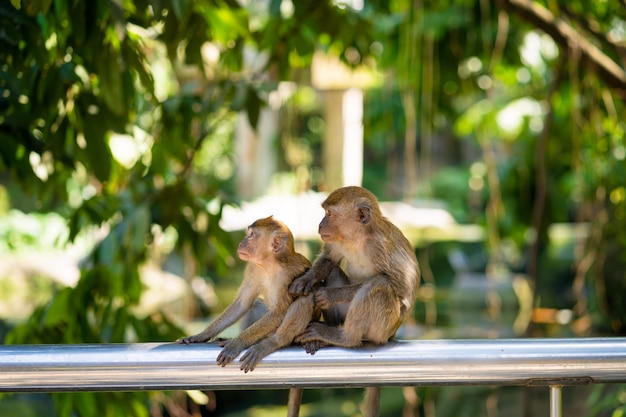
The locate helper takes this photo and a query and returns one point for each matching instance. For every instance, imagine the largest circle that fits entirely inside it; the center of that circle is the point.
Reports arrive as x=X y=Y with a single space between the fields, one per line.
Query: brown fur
x=365 y=278
x=272 y=264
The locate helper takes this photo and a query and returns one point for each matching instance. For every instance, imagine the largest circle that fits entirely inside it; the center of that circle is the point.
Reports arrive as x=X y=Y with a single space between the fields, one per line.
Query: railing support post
x=556 y=409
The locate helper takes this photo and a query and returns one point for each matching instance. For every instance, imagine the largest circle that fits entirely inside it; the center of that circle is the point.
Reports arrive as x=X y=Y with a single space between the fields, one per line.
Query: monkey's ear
x=279 y=242
x=364 y=214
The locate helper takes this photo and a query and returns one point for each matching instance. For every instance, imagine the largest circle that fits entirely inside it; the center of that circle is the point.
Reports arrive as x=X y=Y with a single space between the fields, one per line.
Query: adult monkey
x=364 y=280
x=272 y=264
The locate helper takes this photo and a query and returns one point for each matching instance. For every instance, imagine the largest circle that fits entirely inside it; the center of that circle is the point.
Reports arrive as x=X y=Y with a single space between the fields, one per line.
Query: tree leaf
x=137 y=228
x=58 y=310
x=86 y=403
x=97 y=151
x=253 y=106
x=182 y=9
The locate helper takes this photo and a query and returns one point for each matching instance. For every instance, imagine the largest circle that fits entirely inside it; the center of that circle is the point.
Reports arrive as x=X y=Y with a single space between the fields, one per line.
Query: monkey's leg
x=326 y=335
x=375 y=313
x=295 y=322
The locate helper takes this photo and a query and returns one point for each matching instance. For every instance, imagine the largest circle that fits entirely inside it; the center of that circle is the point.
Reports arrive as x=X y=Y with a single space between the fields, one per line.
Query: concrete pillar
x=343 y=138
x=256 y=161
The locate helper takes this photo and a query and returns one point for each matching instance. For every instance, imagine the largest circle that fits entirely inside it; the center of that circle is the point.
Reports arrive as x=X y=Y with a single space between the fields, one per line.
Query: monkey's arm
x=314 y=277
x=257 y=331
x=327 y=297
x=228 y=317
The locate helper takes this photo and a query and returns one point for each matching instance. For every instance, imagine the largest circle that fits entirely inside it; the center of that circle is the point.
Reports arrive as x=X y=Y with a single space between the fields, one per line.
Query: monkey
x=272 y=264
x=364 y=280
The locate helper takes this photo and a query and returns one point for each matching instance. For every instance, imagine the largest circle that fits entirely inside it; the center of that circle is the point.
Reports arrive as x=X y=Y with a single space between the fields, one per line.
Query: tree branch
x=567 y=38
x=592 y=27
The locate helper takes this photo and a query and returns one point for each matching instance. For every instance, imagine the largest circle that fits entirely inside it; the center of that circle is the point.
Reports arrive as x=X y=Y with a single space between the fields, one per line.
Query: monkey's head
x=349 y=213
x=266 y=238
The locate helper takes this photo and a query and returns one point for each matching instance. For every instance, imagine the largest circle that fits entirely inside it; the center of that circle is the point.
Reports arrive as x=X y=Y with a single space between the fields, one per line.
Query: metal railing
x=169 y=366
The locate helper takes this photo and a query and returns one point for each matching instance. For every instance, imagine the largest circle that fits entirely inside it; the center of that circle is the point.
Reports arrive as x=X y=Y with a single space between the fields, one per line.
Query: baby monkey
x=272 y=265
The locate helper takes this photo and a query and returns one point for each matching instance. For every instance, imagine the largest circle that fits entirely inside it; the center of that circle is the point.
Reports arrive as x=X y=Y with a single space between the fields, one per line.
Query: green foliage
x=168 y=78
x=604 y=398
x=497 y=87
x=452 y=186
x=35 y=232
x=80 y=78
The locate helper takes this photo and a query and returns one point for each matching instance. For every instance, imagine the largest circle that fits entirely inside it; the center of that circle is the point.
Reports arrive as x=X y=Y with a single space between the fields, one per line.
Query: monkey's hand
x=304 y=284
x=231 y=350
x=312 y=278
x=198 y=338
x=300 y=286
x=322 y=298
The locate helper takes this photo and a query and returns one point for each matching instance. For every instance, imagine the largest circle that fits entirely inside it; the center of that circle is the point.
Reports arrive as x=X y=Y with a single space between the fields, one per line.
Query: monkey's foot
x=318 y=335
x=312 y=332
x=309 y=339
x=251 y=358
x=229 y=353
x=314 y=346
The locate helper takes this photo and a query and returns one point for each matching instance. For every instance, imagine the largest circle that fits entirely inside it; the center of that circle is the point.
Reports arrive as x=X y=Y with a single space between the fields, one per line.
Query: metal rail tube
x=168 y=366
x=556 y=405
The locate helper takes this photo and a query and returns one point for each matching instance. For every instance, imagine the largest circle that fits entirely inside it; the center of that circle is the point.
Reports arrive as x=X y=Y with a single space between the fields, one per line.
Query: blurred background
x=138 y=139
